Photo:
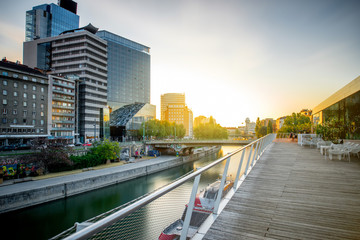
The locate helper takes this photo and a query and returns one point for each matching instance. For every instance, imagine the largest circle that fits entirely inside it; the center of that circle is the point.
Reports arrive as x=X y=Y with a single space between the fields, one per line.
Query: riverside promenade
x=294 y=193
x=20 y=195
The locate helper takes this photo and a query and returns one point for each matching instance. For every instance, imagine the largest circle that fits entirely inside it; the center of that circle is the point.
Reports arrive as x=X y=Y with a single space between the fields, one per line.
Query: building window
x=42 y=106
x=33 y=121
x=4 y=111
x=25 y=95
x=42 y=97
x=25 y=104
x=42 y=90
x=5 y=92
x=42 y=122
x=15 y=84
x=33 y=79
x=5 y=74
x=15 y=121
x=34 y=96
x=25 y=78
x=25 y=86
x=37 y=130
x=4 y=82
x=34 y=105
x=42 y=114
x=34 y=88
x=4 y=120
x=15 y=94
x=15 y=103
x=41 y=130
x=4 y=101
x=24 y=121
x=33 y=114
x=14 y=111
x=25 y=113
x=15 y=76
x=42 y=81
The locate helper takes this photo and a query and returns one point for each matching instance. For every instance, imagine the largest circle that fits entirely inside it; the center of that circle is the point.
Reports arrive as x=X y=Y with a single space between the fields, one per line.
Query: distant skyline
x=232 y=59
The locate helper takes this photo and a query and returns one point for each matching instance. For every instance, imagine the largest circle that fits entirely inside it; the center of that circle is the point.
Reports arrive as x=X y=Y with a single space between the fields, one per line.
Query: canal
x=47 y=220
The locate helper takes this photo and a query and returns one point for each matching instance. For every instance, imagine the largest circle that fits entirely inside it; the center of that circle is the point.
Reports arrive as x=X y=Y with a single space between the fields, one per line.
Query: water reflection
x=47 y=220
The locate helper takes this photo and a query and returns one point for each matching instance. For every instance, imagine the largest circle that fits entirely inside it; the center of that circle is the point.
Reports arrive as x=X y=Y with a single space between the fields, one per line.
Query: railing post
x=239 y=169
x=190 y=208
x=221 y=187
x=255 y=152
x=261 y=147
x=247 y=164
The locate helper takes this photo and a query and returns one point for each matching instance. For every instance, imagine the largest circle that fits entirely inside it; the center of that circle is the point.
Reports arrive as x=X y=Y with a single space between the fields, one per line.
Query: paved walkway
x=294 y=193
x=25 y=186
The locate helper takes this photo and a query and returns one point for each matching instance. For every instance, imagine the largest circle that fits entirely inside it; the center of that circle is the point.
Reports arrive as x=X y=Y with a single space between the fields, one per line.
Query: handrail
x=109 y=220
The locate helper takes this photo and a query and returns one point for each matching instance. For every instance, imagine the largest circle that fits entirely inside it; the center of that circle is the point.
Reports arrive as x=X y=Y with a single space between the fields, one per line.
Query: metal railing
x=110 y=227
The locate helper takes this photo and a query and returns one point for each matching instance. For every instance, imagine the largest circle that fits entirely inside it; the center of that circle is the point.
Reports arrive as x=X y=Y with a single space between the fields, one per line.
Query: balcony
x=63 y=114
x=63 y=99
x=63 y=92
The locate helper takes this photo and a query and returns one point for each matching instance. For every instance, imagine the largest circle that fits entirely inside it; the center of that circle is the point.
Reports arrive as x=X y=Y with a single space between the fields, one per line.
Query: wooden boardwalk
x=294 y=193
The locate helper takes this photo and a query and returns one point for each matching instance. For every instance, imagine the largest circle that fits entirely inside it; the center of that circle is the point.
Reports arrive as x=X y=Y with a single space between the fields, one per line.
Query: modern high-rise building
x=79 y=52
x=171 y=98
x=49 y=20
x=23 y=103
x=128 y=71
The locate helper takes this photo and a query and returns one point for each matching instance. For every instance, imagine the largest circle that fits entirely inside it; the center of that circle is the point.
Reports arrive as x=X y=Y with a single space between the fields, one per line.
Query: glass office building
x=49 y=20
x=128 y=71
x=342 y=107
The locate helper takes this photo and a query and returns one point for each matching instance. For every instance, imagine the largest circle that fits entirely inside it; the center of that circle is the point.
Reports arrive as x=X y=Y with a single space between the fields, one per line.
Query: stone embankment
x=21 y=195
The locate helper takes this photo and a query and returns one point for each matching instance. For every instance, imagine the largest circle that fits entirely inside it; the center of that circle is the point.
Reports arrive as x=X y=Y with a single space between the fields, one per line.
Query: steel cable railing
x=126 y=223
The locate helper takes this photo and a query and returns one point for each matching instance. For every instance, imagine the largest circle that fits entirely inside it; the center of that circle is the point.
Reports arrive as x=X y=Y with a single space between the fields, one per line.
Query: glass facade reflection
x=49 y=20
x=345 y=111
x=128 y=71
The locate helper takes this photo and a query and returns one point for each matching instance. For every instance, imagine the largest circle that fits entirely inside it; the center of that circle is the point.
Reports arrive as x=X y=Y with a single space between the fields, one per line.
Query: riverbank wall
x=22 y=195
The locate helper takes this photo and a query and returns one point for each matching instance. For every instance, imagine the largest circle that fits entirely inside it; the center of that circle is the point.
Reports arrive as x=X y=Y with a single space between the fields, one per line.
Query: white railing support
x=190 y=208
x=248 y=162
x=239 y=169
x=221 y=187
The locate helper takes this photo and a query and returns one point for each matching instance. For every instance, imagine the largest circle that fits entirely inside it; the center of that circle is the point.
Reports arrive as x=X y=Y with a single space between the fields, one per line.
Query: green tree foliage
x=259 y=130
x=296 y=123
x=269 y=127
x=162 y=129
x=106 y=150
x=210 y=130
x=331 y=130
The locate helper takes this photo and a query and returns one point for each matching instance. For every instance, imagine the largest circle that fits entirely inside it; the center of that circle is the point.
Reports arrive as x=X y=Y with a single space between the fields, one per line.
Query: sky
x=233 y=59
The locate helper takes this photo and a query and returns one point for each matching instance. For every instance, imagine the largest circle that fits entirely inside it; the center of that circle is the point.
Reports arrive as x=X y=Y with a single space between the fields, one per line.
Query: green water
x=47 y=220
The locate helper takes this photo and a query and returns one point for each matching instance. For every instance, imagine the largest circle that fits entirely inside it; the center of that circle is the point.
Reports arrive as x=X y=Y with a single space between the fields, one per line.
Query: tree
x=210 y=130
x=269 y=127
x=296 y=123
x=258 y=129
x=161 y=129
x=106 y=150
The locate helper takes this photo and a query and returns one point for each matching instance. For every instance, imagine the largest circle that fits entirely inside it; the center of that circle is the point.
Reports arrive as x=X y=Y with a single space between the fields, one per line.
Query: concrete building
x=78 y=52
x=180 y=114
x=128 y=71
x=63 y=109
x=280 y=122
x=24 y=104
x=306 y=112
x=49 y=20
x=343 y=107
x=203 y=120
x=249 y=127
x=171 y=98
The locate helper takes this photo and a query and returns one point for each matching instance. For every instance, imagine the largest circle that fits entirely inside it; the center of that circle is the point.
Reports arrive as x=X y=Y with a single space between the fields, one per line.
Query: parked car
x=87 y=144
x=78 y=144
x=153 y=153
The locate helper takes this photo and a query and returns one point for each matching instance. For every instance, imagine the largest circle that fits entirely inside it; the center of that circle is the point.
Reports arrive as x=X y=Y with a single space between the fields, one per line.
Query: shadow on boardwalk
x=294 y=193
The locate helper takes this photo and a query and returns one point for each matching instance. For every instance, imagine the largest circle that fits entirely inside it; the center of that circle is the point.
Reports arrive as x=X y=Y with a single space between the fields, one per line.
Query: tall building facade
x=170 y=98
x=80 y=53
x=128 y=71
x=180 y=114
x=62 y=102
x=24 y=103
x=49 y=20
